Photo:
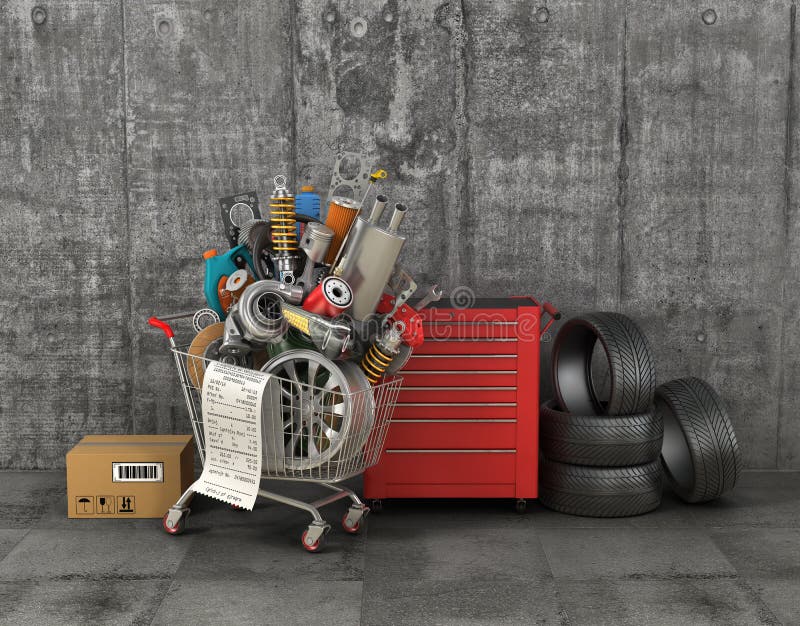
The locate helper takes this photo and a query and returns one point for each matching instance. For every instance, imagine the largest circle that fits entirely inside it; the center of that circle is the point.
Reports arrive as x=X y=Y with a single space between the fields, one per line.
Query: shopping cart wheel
x=174 y=522
x=351 y=521
x=522 y=505
x=314 y=546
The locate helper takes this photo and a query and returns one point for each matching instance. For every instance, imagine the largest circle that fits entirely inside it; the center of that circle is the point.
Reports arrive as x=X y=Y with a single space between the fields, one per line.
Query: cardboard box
x=128 y=475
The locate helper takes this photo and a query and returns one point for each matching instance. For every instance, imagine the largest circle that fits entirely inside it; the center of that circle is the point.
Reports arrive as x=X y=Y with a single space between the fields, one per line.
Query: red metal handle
x=551 y=311
x=554 y=314
x=157 y=323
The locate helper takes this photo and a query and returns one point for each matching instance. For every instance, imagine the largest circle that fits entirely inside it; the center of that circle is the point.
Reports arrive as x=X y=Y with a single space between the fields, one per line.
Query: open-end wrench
x=434 y=294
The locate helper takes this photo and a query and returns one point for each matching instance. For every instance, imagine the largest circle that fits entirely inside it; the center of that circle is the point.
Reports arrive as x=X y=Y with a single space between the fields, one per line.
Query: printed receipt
x=232 y=406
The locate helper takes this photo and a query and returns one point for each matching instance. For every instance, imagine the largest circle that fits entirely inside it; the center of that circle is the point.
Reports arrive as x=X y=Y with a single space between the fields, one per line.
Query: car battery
x=467 y=417
x=128 y=475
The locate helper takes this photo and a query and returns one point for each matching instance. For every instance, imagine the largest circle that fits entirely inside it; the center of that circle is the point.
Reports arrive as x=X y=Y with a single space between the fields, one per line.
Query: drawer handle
x=472 y=388
x=453 y=421
x=513 y=451
x=446 y=404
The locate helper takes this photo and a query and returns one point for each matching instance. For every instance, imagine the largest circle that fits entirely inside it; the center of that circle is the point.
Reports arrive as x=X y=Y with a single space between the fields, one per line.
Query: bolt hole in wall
x=38 y=15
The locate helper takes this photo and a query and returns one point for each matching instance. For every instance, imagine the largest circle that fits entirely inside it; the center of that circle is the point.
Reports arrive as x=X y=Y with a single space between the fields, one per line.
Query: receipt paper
x=232 y=402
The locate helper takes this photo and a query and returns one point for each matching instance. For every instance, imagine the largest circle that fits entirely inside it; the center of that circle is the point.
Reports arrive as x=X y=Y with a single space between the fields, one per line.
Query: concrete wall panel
x=703 y=221
x=64 y=305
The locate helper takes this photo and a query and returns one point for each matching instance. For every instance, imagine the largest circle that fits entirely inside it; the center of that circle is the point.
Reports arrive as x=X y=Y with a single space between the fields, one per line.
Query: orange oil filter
x=342 y=213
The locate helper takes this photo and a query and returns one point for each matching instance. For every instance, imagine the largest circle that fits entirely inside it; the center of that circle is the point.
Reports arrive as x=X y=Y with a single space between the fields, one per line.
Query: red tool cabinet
x=467 y=418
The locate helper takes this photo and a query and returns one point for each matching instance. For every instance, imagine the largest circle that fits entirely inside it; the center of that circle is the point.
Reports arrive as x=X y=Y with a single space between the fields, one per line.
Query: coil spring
x=375 y=363
x=283 y=223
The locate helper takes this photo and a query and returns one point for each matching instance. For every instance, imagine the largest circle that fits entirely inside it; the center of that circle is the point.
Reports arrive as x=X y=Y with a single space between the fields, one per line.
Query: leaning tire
x=700 y=453
x=633 y=378
x=600 y=440
x=600 y=491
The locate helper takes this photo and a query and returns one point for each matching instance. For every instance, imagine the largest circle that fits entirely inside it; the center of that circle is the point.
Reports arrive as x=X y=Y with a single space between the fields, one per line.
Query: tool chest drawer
x=450 y=467
x=451 y=434
x=466 y=420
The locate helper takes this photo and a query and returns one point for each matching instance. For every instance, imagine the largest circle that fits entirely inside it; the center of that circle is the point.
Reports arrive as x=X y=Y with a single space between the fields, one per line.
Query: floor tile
x=470 y=600
x=8 y=539
x=673 y=602
x=438 y=575
x=72 y=602
x=256 y=601
x=761 y=552
x=588 y=553
x=114 y=553
x=271 y=550
x=782 y=596
x=25 y=496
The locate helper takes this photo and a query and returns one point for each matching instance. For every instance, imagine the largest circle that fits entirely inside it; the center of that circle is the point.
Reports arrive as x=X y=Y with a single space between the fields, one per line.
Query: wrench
x=434 y=294
x=399 y=279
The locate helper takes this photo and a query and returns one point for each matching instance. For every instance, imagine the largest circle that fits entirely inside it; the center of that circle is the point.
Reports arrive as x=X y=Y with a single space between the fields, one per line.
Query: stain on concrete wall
x=603 y=155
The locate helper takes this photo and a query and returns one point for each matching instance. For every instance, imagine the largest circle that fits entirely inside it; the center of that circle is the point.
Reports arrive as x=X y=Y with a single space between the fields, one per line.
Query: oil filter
x=341 y=214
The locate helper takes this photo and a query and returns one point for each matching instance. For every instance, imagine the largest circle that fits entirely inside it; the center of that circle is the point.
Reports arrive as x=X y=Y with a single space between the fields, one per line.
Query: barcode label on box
x=137 y=472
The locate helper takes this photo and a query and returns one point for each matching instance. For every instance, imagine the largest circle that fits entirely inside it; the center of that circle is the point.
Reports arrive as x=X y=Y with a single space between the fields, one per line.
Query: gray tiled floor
x=735 y=561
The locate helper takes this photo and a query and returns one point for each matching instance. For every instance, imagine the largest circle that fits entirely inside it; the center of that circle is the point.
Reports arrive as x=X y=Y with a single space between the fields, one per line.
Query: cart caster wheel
x=376 y=506
x=522 y=505
x=350 y=527
x=173 y=527
x=314 y=547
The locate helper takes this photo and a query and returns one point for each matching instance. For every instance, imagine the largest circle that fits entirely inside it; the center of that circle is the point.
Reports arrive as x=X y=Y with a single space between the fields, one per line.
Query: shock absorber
x=283 y=224
x=381 y=353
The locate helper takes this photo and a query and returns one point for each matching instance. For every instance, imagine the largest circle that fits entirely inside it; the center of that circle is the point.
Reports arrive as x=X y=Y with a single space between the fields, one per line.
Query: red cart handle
x=157 y=323
x=554 y=314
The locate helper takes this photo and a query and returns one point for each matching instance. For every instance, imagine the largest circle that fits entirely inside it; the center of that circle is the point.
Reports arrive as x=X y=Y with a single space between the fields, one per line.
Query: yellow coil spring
x=283 y=223
x=374 y=363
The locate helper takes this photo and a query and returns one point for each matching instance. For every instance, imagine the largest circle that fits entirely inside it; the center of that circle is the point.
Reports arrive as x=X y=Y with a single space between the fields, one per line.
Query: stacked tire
x=600 y=453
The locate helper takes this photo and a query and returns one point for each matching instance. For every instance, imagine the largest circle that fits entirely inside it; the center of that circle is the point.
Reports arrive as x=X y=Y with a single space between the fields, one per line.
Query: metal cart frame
x=328 y=475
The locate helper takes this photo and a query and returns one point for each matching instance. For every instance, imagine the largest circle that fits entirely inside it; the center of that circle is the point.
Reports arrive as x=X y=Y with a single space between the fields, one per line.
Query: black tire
x=600 y=440
x=630 y=363
x=700 y=453
x=600 y=491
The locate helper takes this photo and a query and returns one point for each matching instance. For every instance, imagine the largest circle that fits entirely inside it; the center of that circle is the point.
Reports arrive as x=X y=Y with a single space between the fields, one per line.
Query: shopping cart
x=322 y=422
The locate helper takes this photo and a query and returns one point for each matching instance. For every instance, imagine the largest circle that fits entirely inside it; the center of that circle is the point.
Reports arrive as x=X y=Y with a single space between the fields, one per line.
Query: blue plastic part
x=219 y=266
x=307 y=203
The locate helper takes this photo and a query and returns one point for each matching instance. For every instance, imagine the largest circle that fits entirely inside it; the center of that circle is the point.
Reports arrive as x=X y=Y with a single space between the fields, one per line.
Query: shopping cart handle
x=157 y=323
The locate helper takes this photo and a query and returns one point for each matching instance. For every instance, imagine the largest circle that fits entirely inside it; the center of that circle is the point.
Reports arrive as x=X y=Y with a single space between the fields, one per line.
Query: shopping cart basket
x=322 y=422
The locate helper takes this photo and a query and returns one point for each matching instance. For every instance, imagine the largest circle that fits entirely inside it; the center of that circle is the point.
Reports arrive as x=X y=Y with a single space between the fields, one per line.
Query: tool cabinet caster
x=522 y=505
x=376 y=506
x=351 y=521
x=313 y=538
x=174 y=521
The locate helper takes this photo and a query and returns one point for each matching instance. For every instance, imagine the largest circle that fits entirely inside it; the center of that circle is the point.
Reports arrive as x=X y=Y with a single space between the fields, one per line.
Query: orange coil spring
x=340 y=219
x=375 y=362
x=283 y=223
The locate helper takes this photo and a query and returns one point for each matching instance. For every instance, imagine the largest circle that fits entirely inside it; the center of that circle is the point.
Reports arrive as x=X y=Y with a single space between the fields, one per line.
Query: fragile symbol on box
x=105 y=505
x=126 y=504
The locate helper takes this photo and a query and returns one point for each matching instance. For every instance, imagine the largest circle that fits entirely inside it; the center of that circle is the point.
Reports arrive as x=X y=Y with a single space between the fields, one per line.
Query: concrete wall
x=603 y=155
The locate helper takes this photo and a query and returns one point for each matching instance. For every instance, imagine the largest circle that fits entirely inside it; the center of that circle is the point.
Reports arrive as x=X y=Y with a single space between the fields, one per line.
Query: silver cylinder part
x=367 y=263
x=316 y=241
x=397 y=217
x=286 y=267
x=377 y=208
